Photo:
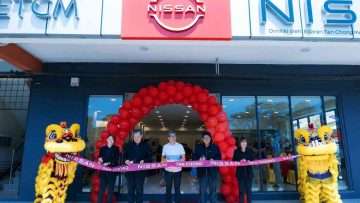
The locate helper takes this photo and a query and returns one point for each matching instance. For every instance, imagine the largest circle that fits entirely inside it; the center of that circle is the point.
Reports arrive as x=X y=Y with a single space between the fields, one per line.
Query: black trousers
x=245 y=186
x=135 y=185
x=107 y=181
x=170 y=179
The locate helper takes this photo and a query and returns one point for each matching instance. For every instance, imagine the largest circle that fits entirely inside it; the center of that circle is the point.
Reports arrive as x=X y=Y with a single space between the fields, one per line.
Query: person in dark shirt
x=207 y=176
x=109 y=156
x=136 y=151
x=244 y=174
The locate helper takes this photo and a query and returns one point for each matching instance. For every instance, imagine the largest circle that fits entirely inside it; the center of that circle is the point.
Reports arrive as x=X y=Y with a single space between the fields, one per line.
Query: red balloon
x=163 y=97
x=124 y=114
x=211 y=122
x=148 y=100
x=202 y=97
x=163 y=85
x=171 y=90
x=104 y=135
x=188 y=90
x=112 y=128
x=214 y=110
x=179 y=85
x=124 y=125
x=179 y=97
x=136 y=101
x=231 y=199
x=219 y=137
x=204 y=116
x=153 y=91
x=222 y=117
x=133 y=121
x=197 y=89
x=143 y=92
x=222 y=127
x=212 y=100
x=126 y=105
x=203 y=108
x=231 y=141
x=136 y=113
x=225 y=190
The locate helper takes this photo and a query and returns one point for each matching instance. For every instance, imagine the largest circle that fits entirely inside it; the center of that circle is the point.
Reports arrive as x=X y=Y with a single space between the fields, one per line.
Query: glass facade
x=14 y=101
x=100 y=110
x=269 y=122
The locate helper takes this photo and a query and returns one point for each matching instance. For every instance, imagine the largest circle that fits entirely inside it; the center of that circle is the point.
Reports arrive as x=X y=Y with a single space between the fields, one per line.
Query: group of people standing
x=136 y=151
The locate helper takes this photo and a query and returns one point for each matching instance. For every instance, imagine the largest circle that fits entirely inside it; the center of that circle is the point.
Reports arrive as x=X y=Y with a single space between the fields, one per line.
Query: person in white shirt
x=172 y=152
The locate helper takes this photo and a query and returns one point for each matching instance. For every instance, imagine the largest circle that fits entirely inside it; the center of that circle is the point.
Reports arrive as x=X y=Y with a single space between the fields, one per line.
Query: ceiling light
x=247 y=112
x=269 y=100
x=113 y=99
x=186 y=116
x=159 y=116
x=239 y=116
x=188 y=112
x=157 y=111
x=231 y=100
x=276 y=112
x=189 y=106
x=308 y=100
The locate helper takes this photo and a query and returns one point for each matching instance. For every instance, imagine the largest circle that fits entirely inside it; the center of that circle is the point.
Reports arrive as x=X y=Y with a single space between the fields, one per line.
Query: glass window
x=14 y=100
x=332 y=120
x=100 y=110
x=241 y=113
x=276 y=140
x=307 y=110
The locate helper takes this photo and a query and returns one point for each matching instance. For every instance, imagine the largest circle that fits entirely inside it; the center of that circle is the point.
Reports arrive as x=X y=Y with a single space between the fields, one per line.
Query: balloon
x=124 y=114
x=153 y=91
x=211 y=122
x=203 y=108
x=202 y=97
x=179 y=97
x=148 y=100
x=225 y=190
x=179 y=85
x=126 y=105
x=124 y=125
x=137 y=101
x=222 y=117
x=212 y=100
x=136 y=113
x=214 y=110
x=222 y=127
x=171 y=90
x=188 y=90
x=163 y=86
x=197 y=89
x=163 y=96
x=143 y=92
x=219 y=137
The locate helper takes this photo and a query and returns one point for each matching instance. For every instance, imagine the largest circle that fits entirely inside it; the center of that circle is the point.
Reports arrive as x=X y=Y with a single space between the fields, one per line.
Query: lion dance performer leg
x=56 y=172
x=317 y=165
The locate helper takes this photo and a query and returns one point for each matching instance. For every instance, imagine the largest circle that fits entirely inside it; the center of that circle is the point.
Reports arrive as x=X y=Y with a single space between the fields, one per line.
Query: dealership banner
x=182 y=19
x=183 y=164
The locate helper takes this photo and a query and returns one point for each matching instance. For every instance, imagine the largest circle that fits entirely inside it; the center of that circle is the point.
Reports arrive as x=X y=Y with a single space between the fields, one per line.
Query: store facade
x=224 y=46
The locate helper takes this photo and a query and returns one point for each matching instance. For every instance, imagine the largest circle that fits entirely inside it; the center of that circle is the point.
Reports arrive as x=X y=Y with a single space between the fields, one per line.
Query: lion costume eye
x=52 y=135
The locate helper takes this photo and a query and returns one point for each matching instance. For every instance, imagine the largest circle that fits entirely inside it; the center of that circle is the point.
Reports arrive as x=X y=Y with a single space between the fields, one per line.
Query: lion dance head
x=56 y=172
x=317 y=165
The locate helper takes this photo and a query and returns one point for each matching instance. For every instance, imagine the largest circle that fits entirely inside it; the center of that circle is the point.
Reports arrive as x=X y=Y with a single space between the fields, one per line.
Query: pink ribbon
x=183 y=164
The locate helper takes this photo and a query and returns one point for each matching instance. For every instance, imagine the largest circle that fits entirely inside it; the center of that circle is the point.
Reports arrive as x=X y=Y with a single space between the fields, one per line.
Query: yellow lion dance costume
x=317 y=166
x=55 y=172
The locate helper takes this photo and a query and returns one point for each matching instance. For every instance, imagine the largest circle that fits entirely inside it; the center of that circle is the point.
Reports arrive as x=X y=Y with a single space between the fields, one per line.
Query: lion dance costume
x=55 y=172
x=317 y=166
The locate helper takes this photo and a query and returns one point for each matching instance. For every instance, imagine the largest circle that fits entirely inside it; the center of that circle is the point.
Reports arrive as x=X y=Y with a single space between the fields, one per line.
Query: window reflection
x=306 y=110
x=275 y=135
x=100 y=110
x=241 y=113
x=331 y=119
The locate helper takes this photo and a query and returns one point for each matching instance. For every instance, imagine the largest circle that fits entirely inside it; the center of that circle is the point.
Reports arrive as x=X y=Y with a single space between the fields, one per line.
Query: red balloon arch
x=174 y=92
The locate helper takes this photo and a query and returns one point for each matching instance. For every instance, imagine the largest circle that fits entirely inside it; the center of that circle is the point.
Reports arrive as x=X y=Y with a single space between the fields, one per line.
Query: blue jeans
x=170 y=179
x=208 y=183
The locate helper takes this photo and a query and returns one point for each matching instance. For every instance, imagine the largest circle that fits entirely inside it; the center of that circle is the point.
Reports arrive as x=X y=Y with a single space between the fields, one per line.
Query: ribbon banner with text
x=183 y=164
